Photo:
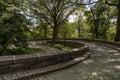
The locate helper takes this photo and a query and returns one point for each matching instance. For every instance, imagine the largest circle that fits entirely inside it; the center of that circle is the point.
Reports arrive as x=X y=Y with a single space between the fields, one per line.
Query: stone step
x=27 y=74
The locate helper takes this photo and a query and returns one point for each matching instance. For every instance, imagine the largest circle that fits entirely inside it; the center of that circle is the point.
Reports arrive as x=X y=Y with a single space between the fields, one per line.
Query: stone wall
x=30 y=61
x=117 y=44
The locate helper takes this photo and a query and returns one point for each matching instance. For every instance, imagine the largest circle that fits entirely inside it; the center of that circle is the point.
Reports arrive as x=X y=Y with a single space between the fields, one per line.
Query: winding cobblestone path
x=104 y=64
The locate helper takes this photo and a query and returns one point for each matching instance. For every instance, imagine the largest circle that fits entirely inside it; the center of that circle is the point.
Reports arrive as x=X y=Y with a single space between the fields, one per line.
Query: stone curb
x=68 y=64
x=107 y=45
x=30 y=61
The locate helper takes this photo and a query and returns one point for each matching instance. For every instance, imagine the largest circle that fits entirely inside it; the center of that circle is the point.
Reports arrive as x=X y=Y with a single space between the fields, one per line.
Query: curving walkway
x=104 y=64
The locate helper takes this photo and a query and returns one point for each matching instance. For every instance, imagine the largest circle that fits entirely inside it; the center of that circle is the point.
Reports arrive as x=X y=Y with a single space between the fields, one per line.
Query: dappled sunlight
x=101 y=78
x=117 y=66
x=117 y=54
x=94 y=74
x=35 y=43
x=32 y=43
x=102 y=65
x=77 y=59
x=97 y=55
x=112 y=51
x=109 y=60
x=76 y=49
x=99 y=49
x=106 y=70
x=112 y=63
x=88 y=61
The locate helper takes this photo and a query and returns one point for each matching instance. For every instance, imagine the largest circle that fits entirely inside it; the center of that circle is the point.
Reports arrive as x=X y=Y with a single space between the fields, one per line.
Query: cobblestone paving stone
x=104 y=64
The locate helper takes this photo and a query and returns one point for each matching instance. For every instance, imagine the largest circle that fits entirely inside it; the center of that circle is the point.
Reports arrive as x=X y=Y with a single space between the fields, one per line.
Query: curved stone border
x=31 y=61
x=117 y=44
x=114 y=45
x=62 y=66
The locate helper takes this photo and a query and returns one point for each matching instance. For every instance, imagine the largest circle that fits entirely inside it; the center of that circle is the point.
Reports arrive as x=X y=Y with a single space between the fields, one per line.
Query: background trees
x=96 y=24
x=116 y=3
x=50 y=18
x=13 y=24
x=98 y=18
x=54 y=12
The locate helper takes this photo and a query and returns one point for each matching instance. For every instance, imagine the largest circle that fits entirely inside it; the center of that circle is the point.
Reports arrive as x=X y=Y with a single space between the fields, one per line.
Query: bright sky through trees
x=72 y=18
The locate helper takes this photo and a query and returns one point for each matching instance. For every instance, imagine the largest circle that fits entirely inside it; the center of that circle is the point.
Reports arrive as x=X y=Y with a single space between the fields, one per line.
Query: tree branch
x=88 y=3
x=66 y=16
x=111 y=4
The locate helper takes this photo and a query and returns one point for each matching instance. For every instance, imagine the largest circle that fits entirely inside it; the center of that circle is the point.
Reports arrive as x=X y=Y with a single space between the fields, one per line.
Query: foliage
x=61 y=47
x=66 y=29
x=50 y=18
x=13 y=25
x=99 y=19
x=15 y=51
x=54 y=12
x=116 y=4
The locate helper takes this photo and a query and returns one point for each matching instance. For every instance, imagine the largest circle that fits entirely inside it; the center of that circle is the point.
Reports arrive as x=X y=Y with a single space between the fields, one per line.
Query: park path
x=104 y=64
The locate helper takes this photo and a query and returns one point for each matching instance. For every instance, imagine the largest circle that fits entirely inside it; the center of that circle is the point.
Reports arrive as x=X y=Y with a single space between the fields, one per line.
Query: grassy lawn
x=61 y=47
x=22 y=51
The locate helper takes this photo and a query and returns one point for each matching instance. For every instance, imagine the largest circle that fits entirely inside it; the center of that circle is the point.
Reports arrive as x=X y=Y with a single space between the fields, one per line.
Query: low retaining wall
x=72 y=44
x=116 y=44
x=30 y=61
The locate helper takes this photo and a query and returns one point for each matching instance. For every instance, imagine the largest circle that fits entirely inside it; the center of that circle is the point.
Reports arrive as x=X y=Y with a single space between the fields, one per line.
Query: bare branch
x=45 y=18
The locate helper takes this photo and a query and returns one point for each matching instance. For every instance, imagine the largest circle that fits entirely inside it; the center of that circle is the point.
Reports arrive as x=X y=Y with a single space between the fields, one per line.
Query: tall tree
x=116 y=3
x=54 y=12
x=44 y=26
x=99 y=20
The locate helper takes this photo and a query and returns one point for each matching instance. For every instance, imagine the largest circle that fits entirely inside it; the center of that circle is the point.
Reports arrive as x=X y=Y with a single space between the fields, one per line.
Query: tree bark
x=96 y=29
x=45 y=33
x=55 y=34
x=78 y=27
x=79 y=31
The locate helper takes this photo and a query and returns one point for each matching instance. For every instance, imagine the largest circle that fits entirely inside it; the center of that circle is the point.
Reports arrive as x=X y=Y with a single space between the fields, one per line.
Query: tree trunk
x=45 y=33
x=55 y=34
x=79 y=32
x=117 y=37
x=79 y=27
x=96 y=30
x=4 y=43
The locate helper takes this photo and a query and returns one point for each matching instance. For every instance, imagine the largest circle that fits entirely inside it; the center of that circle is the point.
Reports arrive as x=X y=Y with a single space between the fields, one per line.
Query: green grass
x=22 y=51
x=61 y=47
